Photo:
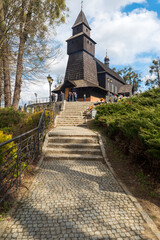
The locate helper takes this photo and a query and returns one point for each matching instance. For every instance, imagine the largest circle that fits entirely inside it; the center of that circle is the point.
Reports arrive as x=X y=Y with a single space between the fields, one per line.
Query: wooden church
x=84 y=73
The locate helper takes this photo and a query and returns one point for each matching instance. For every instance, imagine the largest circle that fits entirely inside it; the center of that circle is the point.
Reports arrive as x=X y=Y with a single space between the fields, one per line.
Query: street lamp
x=50 y=81
x=36 y=96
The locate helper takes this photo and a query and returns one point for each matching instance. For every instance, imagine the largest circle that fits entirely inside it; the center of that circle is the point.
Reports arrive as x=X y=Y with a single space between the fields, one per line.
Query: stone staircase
x=71 y=140
x=72 y=143
x=73 y=114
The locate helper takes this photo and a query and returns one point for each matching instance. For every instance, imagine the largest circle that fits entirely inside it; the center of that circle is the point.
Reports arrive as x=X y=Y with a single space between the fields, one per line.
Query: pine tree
x=155 y=72
x=130 y=77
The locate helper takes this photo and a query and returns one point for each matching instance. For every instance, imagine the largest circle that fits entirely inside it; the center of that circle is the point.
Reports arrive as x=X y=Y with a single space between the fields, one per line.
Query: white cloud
x=151 y=77
x=126 y=36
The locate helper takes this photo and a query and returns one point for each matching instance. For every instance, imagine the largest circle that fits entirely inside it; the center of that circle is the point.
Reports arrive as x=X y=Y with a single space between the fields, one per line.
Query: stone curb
x=55 y=122
x=145 y=216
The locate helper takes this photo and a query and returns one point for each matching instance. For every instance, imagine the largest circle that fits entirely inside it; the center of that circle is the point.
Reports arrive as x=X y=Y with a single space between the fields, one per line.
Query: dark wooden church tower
x=84 y=73
x=81 y=50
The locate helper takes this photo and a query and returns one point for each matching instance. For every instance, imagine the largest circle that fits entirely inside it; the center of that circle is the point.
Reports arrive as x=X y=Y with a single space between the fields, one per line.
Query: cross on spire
x=81 y=4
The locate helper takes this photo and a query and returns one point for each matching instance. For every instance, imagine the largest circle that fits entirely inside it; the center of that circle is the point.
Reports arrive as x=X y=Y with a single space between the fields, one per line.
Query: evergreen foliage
x=135 y=122
x=130 y=77
x=154 y=71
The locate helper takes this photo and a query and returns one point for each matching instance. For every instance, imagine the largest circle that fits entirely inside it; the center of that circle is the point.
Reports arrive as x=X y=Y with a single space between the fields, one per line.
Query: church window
x=86 y=30
x=91 y=44
x=88 y=42
x=116 y=89
x=77 y=76
x=112 y=88
x=108 y=86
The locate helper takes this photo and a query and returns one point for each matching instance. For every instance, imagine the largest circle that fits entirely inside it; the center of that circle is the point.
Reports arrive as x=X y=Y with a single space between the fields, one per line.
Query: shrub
x=136 y=119
x=10 y=117
x=3 y=138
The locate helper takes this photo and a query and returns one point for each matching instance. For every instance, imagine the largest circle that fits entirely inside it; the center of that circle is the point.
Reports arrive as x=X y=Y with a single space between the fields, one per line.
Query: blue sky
x=128 y=29
x=150 y=5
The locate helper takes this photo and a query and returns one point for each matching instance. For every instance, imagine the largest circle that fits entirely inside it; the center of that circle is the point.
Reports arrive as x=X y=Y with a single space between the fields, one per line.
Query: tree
x=59 y=80
x=154 y=74
x=130 y=77
x=34 y=17
x=26 y=23
x=4 y=52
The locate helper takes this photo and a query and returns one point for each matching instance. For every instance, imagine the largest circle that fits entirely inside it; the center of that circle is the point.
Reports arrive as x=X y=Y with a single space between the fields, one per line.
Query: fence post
x=18 y=164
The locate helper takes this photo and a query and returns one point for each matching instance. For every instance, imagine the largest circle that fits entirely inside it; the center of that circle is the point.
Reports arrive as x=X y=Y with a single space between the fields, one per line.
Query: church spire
x=81 y=19
x=82 y=5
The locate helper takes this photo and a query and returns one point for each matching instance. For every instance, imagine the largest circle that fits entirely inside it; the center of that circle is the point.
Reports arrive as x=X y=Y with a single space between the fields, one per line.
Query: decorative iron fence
x=17 y=153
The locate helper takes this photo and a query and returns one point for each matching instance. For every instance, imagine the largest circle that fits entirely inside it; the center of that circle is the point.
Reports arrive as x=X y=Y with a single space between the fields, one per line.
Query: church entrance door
x=67 y=90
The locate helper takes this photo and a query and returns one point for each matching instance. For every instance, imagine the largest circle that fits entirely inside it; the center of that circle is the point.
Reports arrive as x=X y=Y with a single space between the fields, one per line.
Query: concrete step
x=70 y=122
x=72 y=146
x=72 y=135
x=74 y=113
x=71 y=117
x=70 y=125
x=57 y=139
x=73 y=157
x=64 y=119
x=71 y=151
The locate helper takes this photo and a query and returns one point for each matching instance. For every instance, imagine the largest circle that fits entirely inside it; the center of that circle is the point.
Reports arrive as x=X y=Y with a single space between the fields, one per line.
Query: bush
x=10 y=117
x=135 y=120
x=3 y=138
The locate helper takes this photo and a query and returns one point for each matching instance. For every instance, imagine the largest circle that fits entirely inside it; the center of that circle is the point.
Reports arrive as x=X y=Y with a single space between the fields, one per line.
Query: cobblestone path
x=75 y=200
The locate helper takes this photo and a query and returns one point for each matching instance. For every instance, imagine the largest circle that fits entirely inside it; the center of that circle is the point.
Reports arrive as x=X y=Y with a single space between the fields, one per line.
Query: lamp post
x=36 y=96
x=50 y=81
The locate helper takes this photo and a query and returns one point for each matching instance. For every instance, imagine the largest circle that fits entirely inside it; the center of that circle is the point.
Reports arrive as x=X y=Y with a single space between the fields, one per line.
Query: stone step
x=72 y=145
x=71 y=151
x=72 y=135
x=73 y=157
x=57 y=139
x=74 y=113
x=70 y=125
x=71 y=117
x=78 y=103
x=76 y=110
x=70 y=122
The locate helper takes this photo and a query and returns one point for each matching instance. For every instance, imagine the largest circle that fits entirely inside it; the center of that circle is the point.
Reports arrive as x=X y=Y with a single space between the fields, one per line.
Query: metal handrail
x=24 y=150
x=16 y=138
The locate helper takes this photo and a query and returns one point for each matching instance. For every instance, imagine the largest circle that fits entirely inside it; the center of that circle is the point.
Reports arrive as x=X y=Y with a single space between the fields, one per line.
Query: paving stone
x=76 y=200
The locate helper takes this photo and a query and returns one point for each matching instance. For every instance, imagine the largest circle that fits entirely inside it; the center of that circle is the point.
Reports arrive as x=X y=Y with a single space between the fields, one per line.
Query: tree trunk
x=24 y=30
x=1 y=80
x=4 y=58
x=18 y=83
x=6 y=73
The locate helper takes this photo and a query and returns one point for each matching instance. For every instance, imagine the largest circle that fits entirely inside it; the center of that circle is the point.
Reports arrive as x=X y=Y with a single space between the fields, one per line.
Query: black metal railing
x=39 y=100
x=16 y=154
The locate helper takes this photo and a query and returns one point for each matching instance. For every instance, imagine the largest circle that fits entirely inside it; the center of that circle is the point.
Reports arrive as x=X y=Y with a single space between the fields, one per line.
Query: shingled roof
x=79 y=84
x=109 y=71
x=126 y=89
x=81 y=19
x=80 y=34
